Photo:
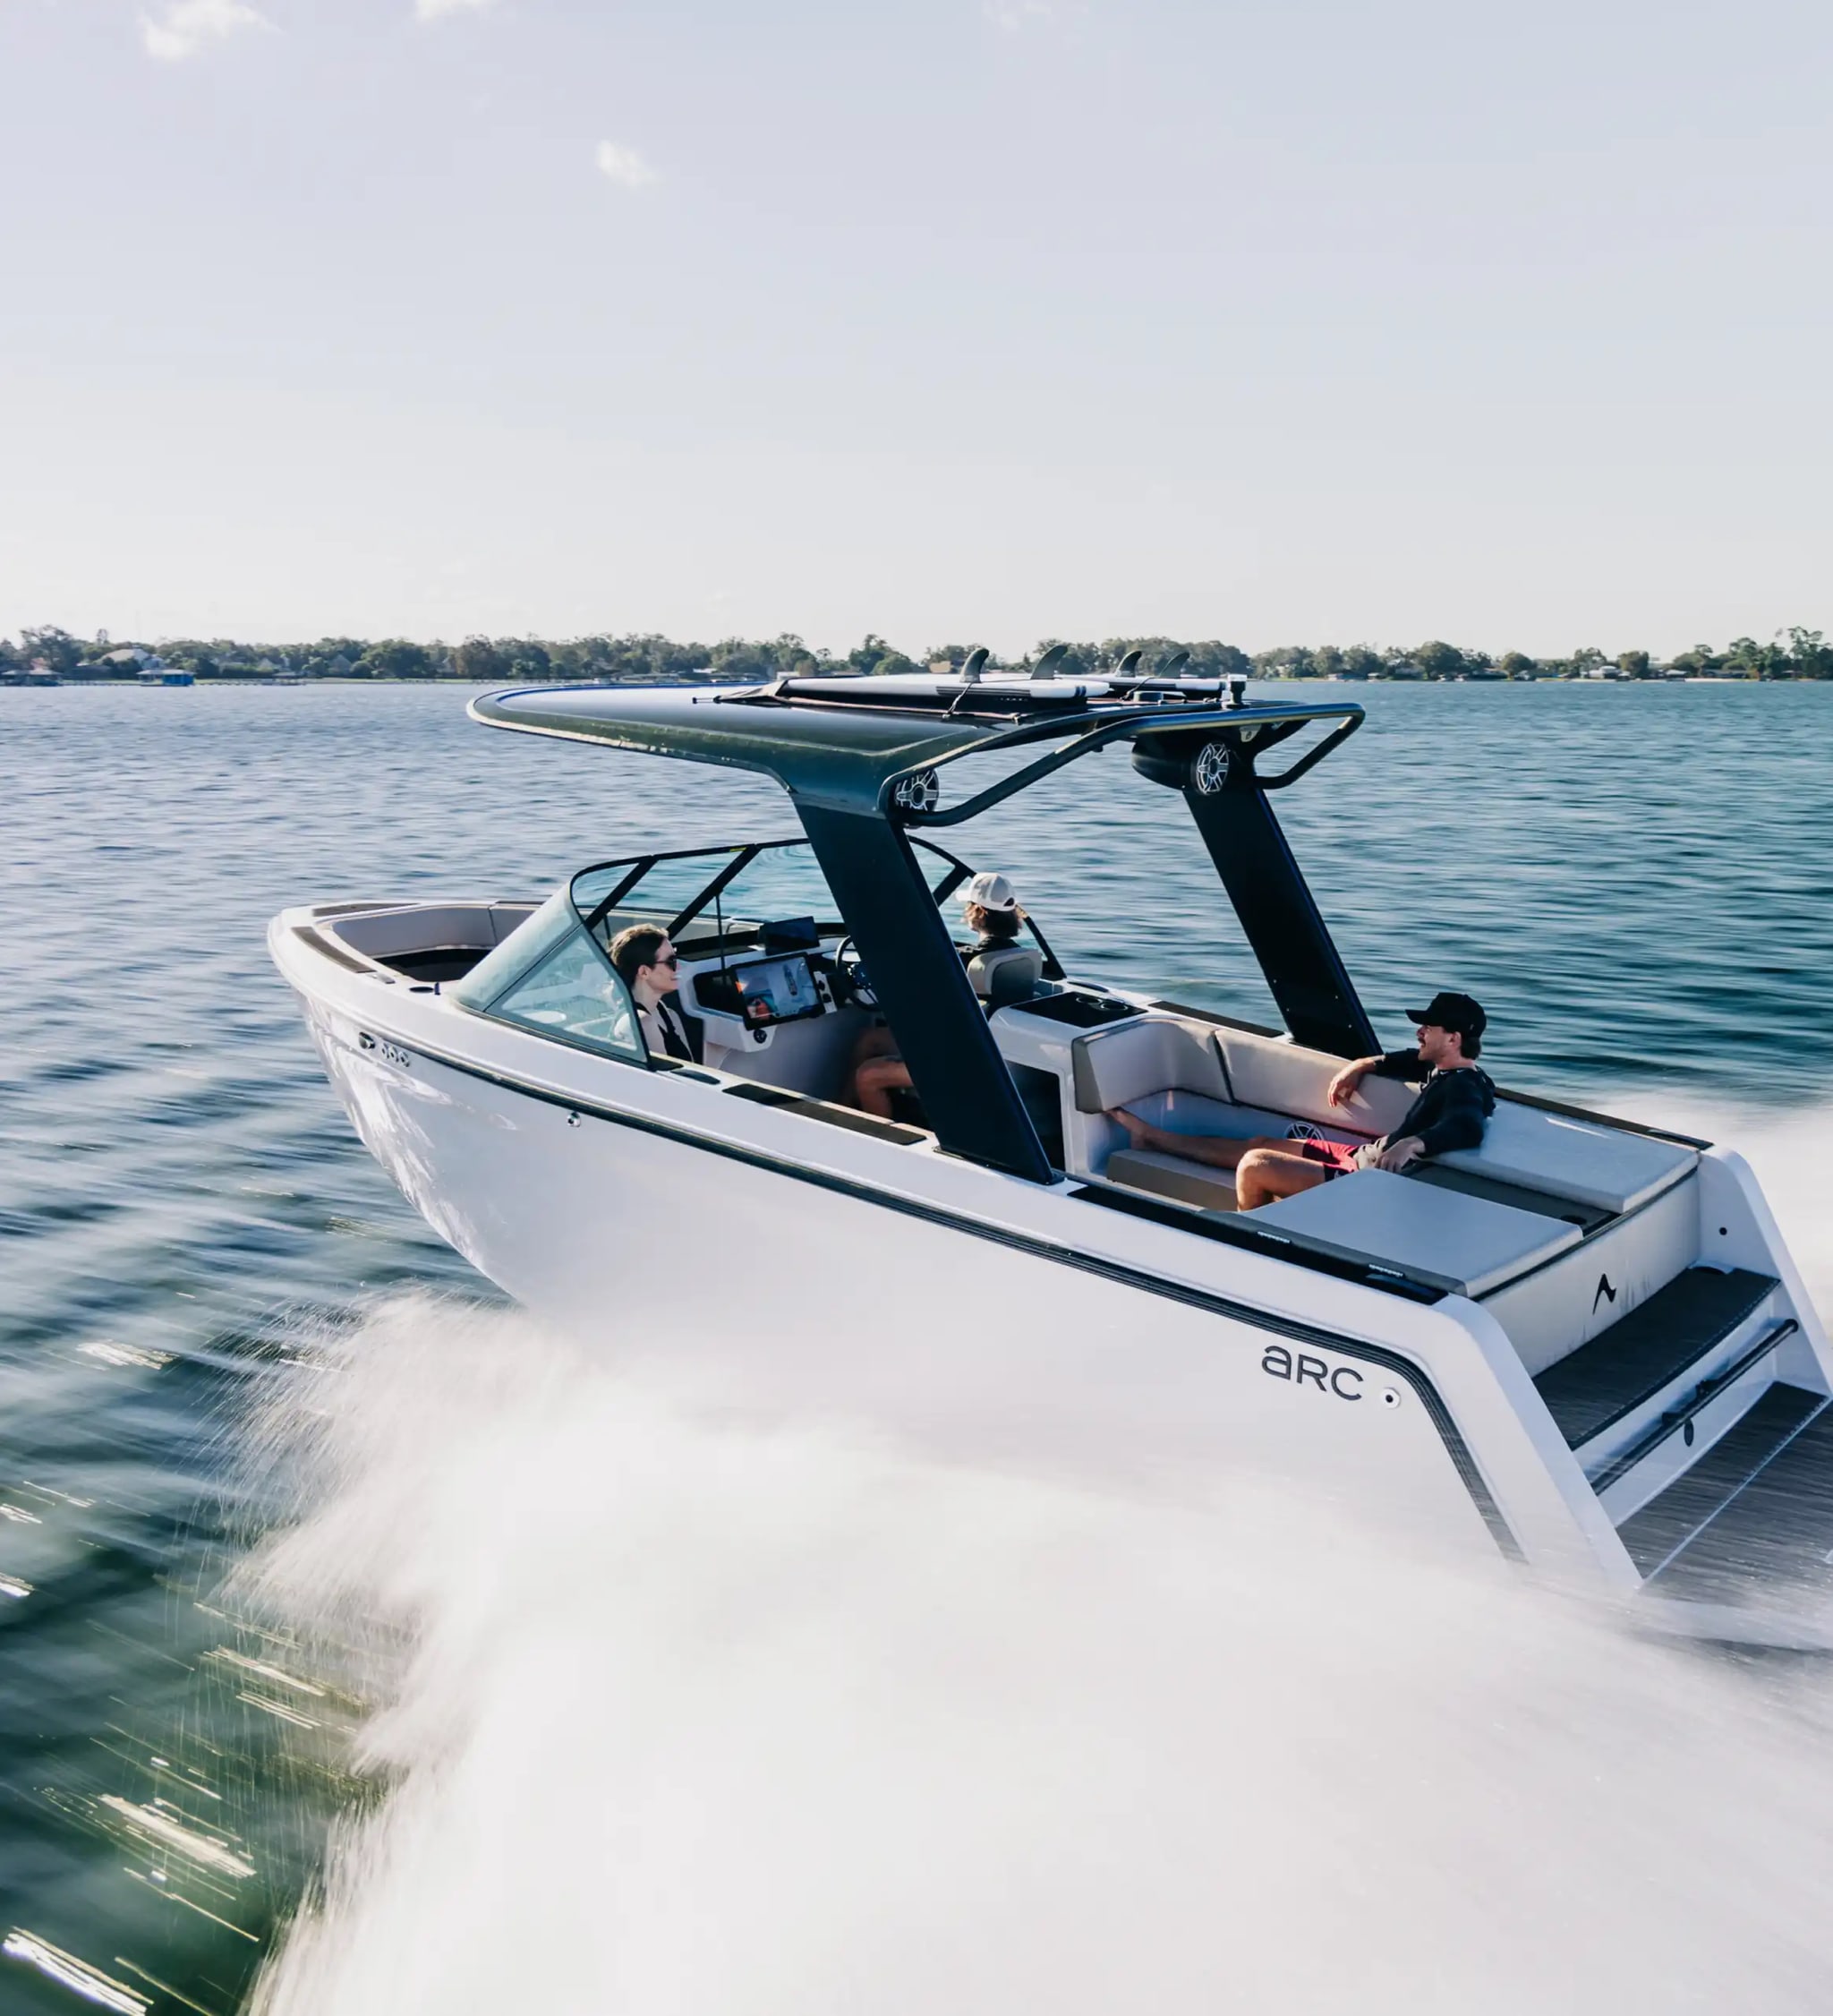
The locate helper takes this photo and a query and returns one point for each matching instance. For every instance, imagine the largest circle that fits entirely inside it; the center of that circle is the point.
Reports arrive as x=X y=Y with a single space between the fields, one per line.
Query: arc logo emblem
x=1606 y=1293
x=1302 y=1368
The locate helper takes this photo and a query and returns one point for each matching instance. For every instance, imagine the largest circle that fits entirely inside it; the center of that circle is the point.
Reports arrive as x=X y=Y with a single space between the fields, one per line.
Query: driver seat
x=1005 y=975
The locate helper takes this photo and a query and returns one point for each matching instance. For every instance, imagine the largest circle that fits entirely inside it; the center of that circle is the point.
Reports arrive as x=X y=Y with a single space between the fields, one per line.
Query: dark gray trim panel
x=335 y=953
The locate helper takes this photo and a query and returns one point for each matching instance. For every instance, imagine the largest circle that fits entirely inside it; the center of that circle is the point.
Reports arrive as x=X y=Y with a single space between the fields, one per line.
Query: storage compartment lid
x=1464 y=1244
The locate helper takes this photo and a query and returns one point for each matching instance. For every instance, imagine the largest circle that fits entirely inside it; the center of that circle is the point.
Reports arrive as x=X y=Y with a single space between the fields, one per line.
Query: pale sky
x=1279 y=321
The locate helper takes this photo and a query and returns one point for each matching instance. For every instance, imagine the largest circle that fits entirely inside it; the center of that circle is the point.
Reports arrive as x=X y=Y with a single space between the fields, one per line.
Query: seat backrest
x=1116 y=1065
x=1279 y=1077
x=1006 y=974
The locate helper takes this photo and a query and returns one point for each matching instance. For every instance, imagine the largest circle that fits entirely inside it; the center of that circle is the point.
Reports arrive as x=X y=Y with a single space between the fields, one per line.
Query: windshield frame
x=734 y=858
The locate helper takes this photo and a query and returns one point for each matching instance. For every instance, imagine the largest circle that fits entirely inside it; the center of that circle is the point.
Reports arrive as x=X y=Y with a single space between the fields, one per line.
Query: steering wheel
x=853 y=983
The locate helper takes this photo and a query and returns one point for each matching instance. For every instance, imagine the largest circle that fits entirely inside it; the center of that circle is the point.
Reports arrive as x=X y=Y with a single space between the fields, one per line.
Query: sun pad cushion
x=1576 y=1159
x=1466 y=1241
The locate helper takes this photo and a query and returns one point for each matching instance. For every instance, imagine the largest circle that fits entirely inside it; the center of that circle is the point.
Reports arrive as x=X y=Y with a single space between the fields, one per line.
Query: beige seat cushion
x=1267 y=1071
x=1170 y=1175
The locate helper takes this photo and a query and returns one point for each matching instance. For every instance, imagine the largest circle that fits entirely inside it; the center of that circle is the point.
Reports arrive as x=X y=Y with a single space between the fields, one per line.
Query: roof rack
x=998 y=696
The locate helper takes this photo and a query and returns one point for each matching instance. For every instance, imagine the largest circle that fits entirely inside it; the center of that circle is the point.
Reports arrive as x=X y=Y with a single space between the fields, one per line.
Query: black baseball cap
x=1456 y=1012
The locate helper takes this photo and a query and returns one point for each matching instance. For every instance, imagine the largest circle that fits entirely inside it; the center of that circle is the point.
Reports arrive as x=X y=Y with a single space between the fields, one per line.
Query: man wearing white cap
x=990 y=910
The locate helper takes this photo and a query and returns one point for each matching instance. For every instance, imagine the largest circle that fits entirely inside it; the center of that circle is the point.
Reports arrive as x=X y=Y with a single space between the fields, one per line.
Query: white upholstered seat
x=1155 y=1054
x=1576 y=1159
x=1263 y=1084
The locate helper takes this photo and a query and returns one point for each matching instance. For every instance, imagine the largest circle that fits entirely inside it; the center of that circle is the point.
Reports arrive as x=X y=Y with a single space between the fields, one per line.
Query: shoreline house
x=129 y=662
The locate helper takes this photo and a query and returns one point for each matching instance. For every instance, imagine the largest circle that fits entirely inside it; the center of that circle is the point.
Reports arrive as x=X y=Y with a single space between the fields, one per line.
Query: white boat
x=1582 y=1343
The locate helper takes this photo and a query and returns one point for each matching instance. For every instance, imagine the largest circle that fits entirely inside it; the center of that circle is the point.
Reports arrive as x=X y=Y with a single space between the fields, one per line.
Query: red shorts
x=1338 y=1158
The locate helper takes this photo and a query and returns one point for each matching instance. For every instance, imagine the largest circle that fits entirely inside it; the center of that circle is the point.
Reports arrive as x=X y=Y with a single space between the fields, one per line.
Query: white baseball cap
x=989 y=893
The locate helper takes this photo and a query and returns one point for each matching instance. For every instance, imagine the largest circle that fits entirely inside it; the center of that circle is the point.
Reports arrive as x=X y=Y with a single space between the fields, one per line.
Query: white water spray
x=694 y=1717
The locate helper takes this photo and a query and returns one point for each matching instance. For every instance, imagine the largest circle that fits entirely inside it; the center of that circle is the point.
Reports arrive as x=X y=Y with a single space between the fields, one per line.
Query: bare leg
x=865 y=1087
x=875 y=1080
x=1218 y=1150
x=875 y=1040
x=1269 y=1174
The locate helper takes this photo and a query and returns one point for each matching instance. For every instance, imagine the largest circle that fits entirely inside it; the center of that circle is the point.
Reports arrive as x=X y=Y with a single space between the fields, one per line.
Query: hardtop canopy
x=848 y=742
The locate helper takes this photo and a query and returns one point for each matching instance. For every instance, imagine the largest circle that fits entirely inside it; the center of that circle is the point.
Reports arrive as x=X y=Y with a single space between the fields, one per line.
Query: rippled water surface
x=204 y=1339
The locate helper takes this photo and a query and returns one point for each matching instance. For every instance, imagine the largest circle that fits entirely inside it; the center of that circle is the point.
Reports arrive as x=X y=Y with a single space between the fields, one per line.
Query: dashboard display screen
x=776 y=990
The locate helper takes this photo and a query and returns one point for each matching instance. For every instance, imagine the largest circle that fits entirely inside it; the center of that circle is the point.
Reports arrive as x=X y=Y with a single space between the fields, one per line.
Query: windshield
x=549 y=977
x=555 y=973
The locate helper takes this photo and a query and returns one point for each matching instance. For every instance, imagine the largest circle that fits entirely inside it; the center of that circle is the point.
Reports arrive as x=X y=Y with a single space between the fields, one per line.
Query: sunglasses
x=674 y=959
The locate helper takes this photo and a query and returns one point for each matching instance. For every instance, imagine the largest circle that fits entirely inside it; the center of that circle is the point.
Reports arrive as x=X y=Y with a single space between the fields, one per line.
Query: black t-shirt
x=1453 y=1108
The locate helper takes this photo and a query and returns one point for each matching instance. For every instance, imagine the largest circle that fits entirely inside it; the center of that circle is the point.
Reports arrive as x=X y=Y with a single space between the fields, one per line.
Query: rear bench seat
x=1193 y=1077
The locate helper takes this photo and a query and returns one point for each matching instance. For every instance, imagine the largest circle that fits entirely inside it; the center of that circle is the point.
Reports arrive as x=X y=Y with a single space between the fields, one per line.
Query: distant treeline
x=649 y=659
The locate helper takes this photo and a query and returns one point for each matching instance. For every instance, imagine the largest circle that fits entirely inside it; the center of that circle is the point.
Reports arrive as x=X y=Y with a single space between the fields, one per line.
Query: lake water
x=335 y=1595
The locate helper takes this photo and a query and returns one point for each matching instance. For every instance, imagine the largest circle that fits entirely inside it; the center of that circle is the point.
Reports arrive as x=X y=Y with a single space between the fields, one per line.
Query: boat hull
x=953 y=1312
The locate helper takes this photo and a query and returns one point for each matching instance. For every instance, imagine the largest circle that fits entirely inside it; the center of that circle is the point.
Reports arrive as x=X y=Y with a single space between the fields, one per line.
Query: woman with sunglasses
x=646 y=960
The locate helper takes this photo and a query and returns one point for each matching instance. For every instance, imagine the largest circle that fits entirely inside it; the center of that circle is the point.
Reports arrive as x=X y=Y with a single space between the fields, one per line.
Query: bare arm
x=1348 y=1081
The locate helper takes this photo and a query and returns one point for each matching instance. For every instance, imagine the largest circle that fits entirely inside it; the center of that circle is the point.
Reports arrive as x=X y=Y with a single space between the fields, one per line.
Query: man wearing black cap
x=1454 y=1106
